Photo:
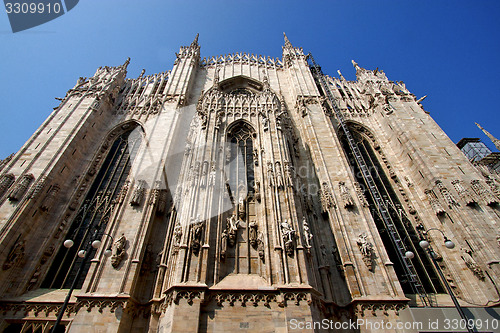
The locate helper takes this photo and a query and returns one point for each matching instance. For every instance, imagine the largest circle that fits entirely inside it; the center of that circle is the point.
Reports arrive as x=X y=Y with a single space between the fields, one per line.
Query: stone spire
x=356 y=66
x=287 y=42
x=495 y=141
x=194 y=44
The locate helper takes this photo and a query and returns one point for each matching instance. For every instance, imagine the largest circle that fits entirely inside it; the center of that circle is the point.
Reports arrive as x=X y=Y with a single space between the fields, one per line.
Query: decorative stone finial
x=495 y=141
x=287 y=42
x=195 y=41
x=127 y=62
x=340 y=74
x=421 y=99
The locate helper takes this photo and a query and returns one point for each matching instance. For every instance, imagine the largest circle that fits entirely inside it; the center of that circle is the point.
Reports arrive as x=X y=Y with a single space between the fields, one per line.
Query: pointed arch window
x=95 y=211
x=424 y=268
x=241 y=166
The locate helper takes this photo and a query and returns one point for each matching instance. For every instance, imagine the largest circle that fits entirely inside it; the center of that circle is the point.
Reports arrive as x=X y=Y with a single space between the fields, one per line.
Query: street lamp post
x=424 y=244
x=85 y=253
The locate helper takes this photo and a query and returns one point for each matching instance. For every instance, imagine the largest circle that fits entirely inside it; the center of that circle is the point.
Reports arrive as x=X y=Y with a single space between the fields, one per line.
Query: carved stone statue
x=223 y=244
x=279 y=176
x=288 y=235
x=232 y=229
x=119 y=254
x=257 y=191
x=212 y=175
x=260 y=247
x=270 y=174
x=307 y=233
x=241 y=209
x=196 y=235
x=21 y=187
x=472 y=264
x=346 y=197
x=366 y=249
x=289 y=174
x=177 y=235
x=16 y=253
x=265 y=121
x=256 y=157
x=253 y=233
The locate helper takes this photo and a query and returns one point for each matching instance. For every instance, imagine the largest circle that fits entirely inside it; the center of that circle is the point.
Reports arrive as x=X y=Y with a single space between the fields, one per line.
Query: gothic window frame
x=242 y=134
x=421 y=261
x=96 y=208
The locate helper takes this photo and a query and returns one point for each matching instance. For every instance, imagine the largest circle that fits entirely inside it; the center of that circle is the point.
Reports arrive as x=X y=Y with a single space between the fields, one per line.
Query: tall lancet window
x=241 y=165
x=240 y=254
x=95 y=211
x=423 y=267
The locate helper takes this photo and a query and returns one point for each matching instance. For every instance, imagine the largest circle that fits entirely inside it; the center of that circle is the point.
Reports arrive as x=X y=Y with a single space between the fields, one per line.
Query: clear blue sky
x=448 y=50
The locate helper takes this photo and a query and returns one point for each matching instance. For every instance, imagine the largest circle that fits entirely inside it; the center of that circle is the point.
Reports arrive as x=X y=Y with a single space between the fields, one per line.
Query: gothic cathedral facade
x=242 y=192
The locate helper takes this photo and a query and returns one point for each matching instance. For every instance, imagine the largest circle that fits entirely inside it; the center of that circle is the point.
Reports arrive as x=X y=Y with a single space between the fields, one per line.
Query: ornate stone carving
x=243 y=298
x=463 y=193
x=366 y=249
x=434 y=202
x=257 y=191
x=155 y=193
x=197 y=235
x=232 y=229
x=307 y=233
x=289 y=174
x=38 y=187
x=177 y=237
x=486 y=196
x=279 y=176
x=301 y=106
x=50 y=197
x=493 y=186
x=5 y=161
x=326 y=198
x=213 y=174
x=253 y=233
x=20 y=189
x=270 y=174
x=161 y=208
x=123 y=191
x=260 y=246
x=138 y=195
x=223 y=244
x=15 y=255
x=241 y=209
x=264 y=120
x=361 y=194
x=446 y=194
x=288 y=235
x=338 y=260
x=6 y=182
x=119 y=254
x=472 y=264
x=346 y=197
